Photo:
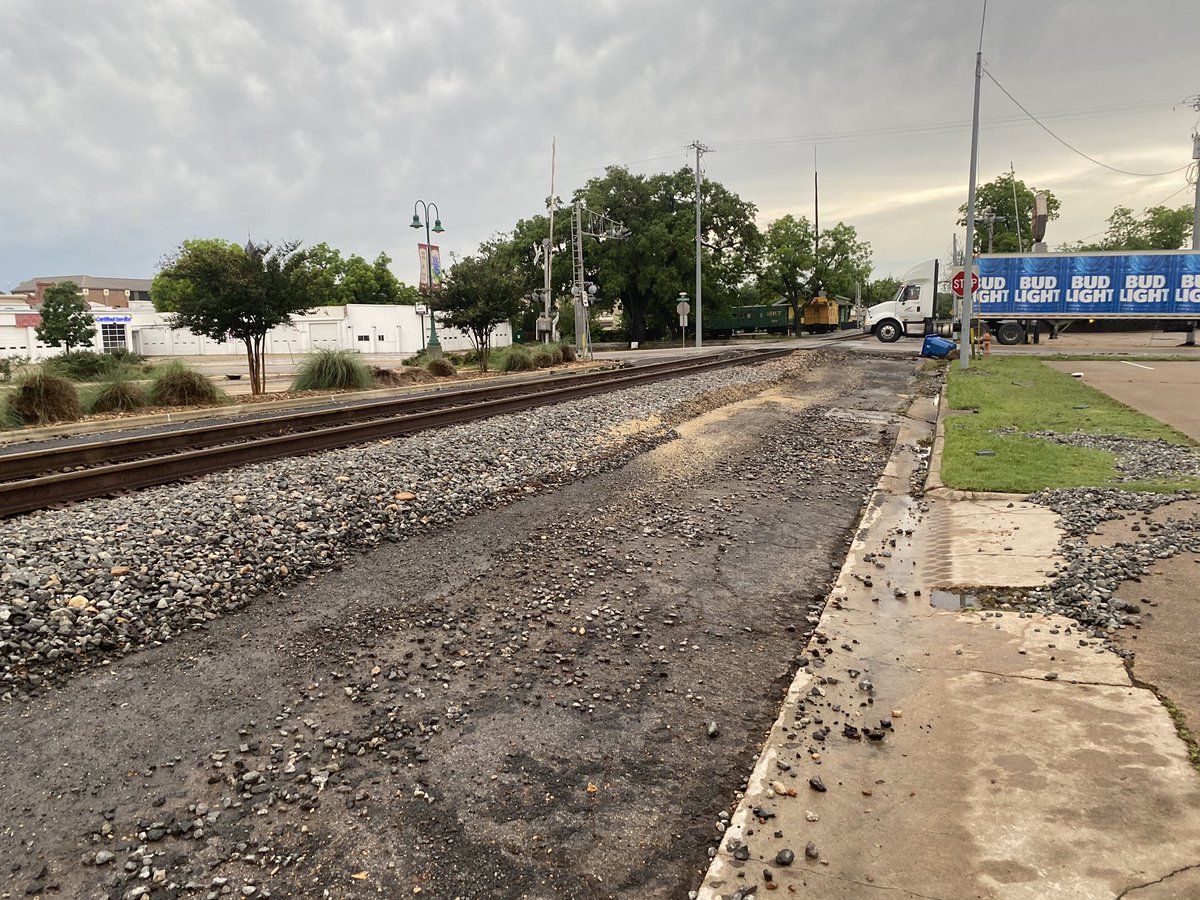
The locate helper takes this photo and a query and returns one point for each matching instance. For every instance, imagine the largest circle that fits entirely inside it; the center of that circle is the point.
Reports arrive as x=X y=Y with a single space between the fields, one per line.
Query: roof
x=85 y=281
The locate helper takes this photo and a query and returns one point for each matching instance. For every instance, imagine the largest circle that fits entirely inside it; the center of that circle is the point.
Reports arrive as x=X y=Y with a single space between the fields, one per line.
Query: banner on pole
x=427 y=253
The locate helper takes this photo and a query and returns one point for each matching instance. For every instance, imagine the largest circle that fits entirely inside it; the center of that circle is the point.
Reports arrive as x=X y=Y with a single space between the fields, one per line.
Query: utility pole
x=1012 y=176
x=1191 y=335
x=700 y=150
x=1196 y=208
x=968 y=310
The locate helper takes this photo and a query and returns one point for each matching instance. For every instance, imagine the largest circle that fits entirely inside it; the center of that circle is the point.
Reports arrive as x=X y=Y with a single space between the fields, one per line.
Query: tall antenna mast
x=700 y=149
x=816 y=227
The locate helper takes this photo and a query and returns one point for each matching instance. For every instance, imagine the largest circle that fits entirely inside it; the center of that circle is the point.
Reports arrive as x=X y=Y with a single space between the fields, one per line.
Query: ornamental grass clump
x=175 y=384
x=333 y=370
x=41 y=399
x=568 y=351
x=441 y=367
x=517 y=358
x=119 y=394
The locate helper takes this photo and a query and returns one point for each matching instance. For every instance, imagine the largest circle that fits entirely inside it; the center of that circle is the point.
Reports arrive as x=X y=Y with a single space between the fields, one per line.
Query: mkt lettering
x=1145 y=289
x=1188 y=290
x=1035 y=289
x=1090 y=289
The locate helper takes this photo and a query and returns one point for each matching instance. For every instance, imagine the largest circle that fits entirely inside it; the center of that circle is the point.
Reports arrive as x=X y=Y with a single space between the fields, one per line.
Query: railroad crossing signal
x=956 y=282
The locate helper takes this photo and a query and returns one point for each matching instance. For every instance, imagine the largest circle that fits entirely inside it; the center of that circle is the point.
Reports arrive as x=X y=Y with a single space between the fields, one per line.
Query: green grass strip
x=1011 y=396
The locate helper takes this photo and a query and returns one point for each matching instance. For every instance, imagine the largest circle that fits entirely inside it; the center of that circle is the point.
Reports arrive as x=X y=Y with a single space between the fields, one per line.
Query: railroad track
x=52 y=476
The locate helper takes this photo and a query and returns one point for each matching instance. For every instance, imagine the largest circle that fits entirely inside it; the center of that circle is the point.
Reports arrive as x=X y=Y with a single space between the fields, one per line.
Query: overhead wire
x=1076 y=150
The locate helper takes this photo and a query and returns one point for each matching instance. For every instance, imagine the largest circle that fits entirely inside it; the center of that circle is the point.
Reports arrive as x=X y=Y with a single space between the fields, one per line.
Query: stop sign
x=956 y=283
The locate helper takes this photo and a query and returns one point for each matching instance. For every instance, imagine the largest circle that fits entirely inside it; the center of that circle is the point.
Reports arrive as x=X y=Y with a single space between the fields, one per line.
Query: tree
x=880 y=289
x=340 y=281
x=789 y=262
x=648 y=270
x=478 y=294
x=221 y=290
x=1159 y=228
x=66 y=317
x=792 y=270
x=996 y=198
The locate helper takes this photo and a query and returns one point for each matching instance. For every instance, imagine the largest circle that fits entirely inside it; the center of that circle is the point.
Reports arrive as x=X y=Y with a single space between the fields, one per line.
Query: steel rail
x=62 y=487
x=43 y=461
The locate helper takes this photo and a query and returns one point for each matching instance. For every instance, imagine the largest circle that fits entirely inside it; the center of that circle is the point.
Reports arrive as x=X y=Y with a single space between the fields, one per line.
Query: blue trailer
x=1054 y=289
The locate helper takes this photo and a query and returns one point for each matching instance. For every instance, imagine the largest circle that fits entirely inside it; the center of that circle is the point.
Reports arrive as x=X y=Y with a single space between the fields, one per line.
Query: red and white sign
x=27 y=320
x=956 y=283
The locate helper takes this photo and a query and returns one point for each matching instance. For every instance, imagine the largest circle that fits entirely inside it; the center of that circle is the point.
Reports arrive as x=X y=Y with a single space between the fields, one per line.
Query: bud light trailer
x=1022 y=292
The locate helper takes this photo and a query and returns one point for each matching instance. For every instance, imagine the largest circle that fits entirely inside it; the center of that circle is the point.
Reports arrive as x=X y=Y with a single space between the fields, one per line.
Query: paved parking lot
x=1168 y=391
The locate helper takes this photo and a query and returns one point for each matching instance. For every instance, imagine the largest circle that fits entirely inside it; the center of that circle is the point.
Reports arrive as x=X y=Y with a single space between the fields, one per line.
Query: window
x=364 y=337
x=113 y=336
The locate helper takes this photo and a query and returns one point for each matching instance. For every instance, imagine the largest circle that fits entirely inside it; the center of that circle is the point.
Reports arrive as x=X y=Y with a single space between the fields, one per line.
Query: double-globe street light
x=434 y=348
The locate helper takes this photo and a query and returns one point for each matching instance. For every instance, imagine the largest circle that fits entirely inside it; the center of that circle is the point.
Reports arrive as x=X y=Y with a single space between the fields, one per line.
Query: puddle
x=951 y=600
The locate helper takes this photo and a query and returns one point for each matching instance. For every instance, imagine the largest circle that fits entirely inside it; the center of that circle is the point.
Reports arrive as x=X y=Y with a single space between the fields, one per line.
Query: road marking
x=1139 y=365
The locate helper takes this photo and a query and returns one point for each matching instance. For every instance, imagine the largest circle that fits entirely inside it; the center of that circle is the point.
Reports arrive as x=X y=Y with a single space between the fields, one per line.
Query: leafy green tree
x=1158 y=228
x=880 y=290
x=66 y=317
x=789 y=264
x=648 y=270
x=478 y=294
x=224 y=291
x=168 y=294
x=996 y=198
x=339 y=280
x=328 y=269
x=793 y=271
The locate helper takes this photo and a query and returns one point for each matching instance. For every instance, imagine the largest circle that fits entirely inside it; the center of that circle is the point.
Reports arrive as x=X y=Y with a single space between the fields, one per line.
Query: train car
x=823 y=314
x=750 y=320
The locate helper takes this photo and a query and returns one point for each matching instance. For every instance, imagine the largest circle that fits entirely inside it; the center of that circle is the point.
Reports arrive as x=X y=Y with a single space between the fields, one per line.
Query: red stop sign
x=956 y=283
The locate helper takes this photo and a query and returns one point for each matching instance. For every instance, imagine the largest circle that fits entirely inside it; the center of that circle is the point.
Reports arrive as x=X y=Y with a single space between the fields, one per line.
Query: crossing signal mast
x=588 y=224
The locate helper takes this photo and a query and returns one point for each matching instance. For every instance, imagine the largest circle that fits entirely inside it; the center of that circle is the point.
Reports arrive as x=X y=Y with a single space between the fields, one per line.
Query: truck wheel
x=1009 y=333
x=888 y=331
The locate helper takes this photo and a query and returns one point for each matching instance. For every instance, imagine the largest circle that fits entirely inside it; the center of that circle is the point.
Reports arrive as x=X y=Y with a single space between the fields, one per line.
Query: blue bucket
x=937 y=347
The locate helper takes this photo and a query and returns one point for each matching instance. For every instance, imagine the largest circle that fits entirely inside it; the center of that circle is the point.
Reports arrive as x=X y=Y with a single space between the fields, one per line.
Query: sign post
x=683 y=308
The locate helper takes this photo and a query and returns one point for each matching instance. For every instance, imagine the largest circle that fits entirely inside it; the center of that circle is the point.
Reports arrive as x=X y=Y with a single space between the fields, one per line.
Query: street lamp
x=434 y=348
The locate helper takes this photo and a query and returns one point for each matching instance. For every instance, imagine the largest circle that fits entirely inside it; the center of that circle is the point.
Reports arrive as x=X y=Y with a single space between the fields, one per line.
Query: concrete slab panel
x=997 y=543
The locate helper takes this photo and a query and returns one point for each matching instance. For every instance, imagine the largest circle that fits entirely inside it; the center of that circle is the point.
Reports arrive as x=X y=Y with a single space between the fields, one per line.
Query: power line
x=1075 y=149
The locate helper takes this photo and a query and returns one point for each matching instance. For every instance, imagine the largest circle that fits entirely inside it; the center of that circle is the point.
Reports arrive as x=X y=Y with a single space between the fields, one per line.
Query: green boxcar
x=750 y=319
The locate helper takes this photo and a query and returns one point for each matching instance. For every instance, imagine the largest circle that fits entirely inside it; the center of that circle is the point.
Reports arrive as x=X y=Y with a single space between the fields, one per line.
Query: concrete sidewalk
x=945 y=753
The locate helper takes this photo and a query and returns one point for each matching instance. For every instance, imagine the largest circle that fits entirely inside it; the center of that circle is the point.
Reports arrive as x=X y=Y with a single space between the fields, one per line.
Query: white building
x=365 y=328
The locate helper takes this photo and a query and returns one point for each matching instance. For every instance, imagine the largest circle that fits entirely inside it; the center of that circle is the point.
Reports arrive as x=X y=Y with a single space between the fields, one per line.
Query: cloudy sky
x=130 y=125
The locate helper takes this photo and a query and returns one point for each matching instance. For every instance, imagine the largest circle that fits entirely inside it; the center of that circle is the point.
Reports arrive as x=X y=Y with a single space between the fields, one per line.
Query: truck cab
x=911 y=310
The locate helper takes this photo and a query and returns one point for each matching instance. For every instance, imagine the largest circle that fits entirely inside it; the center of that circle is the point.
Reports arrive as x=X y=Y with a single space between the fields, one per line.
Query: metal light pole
x=968 y=307
x=434 y=347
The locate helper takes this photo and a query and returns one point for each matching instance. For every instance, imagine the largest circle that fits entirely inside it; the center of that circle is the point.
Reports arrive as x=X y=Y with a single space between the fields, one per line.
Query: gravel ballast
x=105 y=577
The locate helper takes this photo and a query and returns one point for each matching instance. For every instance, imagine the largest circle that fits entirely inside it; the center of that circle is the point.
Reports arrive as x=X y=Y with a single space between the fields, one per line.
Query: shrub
x=413 y=376
x=545 y=357
x=568 y=352
x=333 y=370
x=517 y=358
x=11 y=364
x=83 y=365
x=455 y=358
x=387 y=377
x=118 y=395
x=41 y=398
x=417 y=359
x=174 y=384
x=126 y=356
x=441 y=367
